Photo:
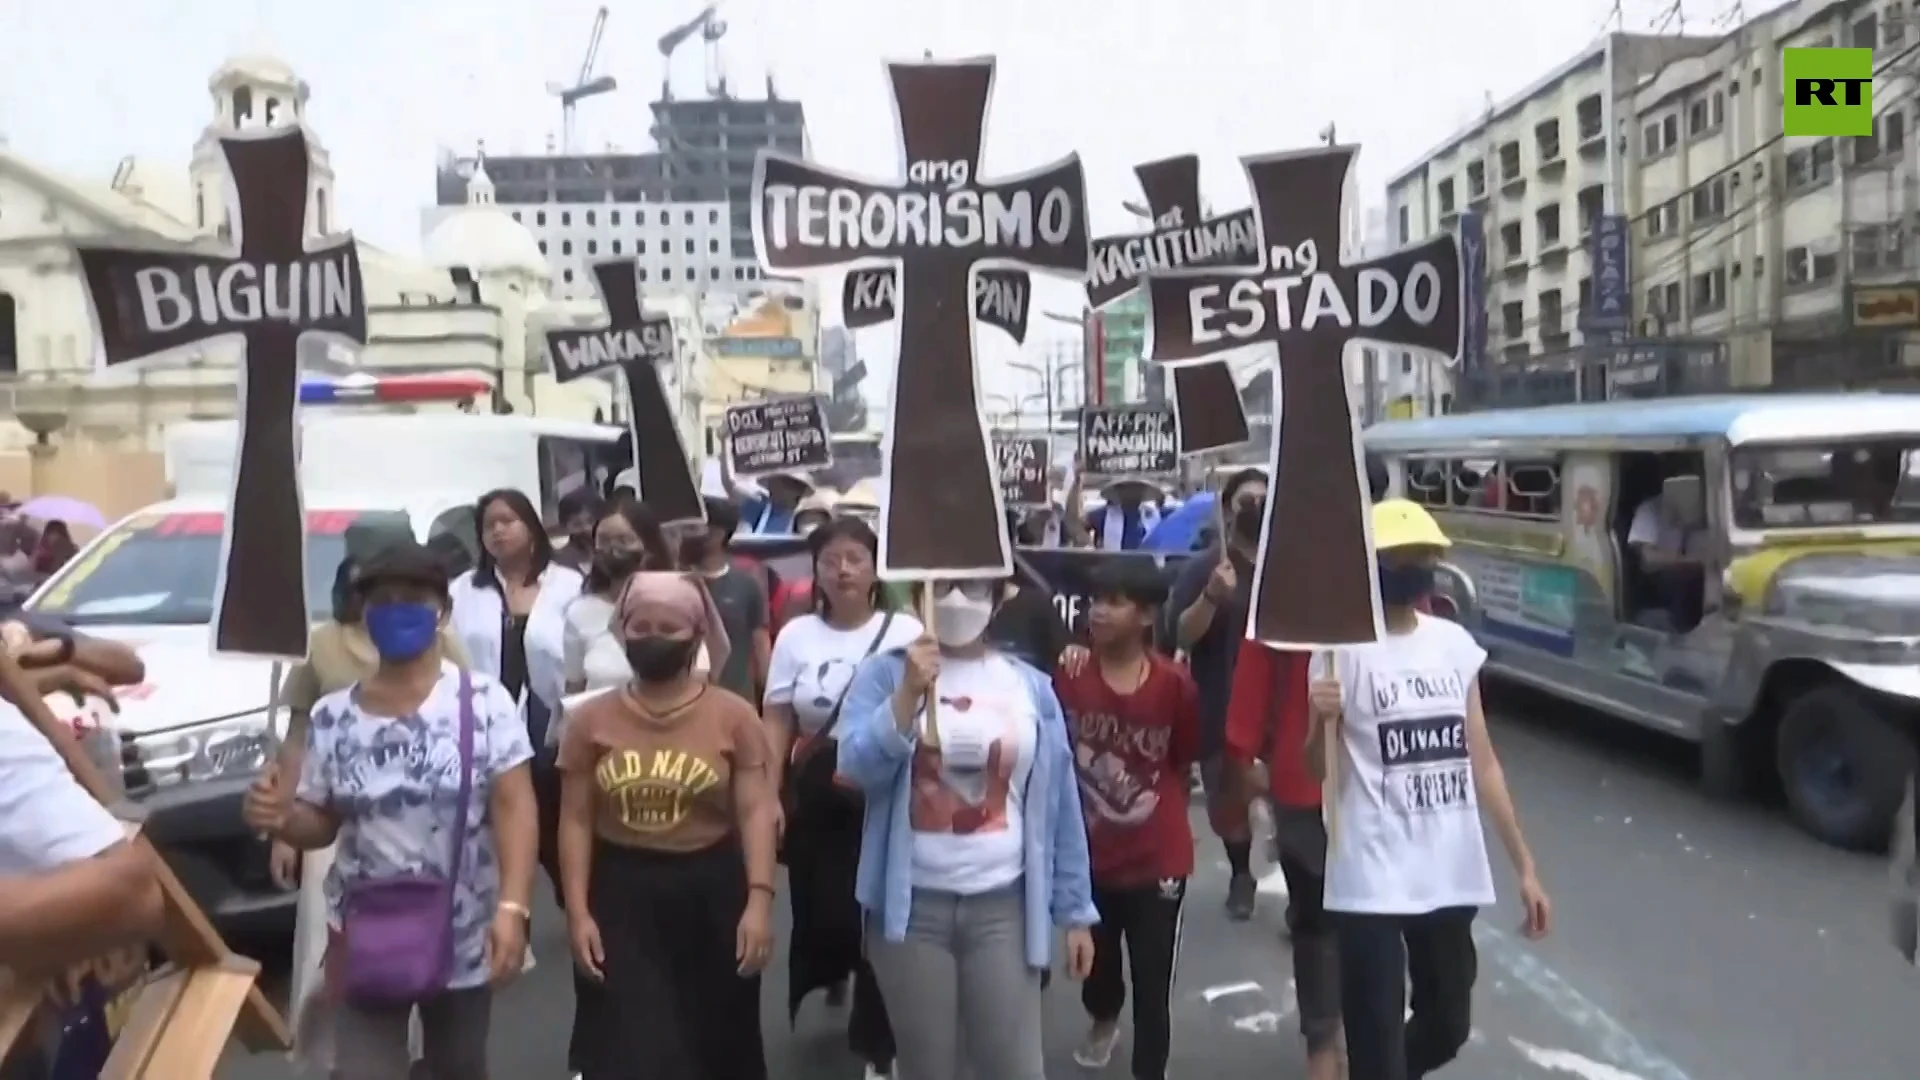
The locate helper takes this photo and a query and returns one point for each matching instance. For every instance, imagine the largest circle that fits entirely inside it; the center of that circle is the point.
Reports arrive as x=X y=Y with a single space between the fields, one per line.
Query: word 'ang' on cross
x=936 y=228
x=275 y=285
x=1315 y=582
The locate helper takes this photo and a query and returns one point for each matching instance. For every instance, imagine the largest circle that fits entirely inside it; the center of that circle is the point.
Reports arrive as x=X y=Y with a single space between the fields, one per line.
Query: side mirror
x=1684 y=499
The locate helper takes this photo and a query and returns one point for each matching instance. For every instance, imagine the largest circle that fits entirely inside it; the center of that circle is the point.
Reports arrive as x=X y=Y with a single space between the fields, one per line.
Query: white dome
x=484 y=238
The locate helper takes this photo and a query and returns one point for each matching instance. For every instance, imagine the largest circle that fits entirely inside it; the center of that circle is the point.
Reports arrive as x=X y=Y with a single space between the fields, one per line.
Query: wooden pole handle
x=931 y=736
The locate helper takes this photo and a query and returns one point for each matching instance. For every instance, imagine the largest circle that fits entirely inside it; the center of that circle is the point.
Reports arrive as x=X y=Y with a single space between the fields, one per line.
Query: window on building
x=1709 y=291
x=1706 y=114
x=1810 y=166
x=1877 y=248
x=613 y=217
x=543 y=247
x=666 y=273
x=566 y=219
x=1865 y=32
x=692 y=274
x=566 y=247
x=516 y=215
x=1591 y=113
x=1589 y=204
x=688 y=217
x=665 y=217
x=540 y=218
x=1663 y=301
x=1404 y=225
x=590 y=219
x=9 y=335
x=1444 y=192
x=616 y=247
x=1885 y=145
x=1549 y=304
x=713 y=273
x=639 y=247
x=566 y=276
x=1547 y=224
x=1513 y=246
x=713 y=217
x=1546 y=140
x=1476 y=179
x=713 y=247
x=1664 y=219
x=1585 y=293
x=642 y=273
x=1509 y=162
x=688 y=245
x=593 y=247
x=1513 y=320
x=1710 y=201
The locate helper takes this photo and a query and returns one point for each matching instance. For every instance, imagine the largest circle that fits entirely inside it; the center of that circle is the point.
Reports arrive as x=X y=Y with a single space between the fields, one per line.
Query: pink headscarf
x=657 y=602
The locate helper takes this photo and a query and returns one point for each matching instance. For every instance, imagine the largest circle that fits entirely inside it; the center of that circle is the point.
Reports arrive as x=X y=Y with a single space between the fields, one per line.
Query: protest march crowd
x=618 y=711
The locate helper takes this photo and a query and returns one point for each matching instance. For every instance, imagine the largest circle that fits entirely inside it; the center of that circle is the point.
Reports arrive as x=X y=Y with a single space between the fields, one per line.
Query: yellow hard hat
x=1401 y=523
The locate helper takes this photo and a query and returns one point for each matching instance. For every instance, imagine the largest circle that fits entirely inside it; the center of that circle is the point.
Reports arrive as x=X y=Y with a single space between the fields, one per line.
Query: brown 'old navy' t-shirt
x=665 y=781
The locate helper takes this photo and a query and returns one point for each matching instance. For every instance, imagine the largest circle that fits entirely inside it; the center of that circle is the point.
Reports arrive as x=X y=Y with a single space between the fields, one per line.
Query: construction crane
x=711 y=29
x=585 y=85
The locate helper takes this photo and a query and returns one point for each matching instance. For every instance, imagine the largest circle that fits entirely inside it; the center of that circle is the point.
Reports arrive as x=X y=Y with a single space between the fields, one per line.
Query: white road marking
x=1272 y=883
x=1214 y=993
x=1612 y=1037
x=1566 y=1061
x=1266 y=1022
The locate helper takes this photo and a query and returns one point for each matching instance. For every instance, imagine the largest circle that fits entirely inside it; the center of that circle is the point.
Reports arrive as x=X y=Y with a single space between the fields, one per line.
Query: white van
x=198 y=730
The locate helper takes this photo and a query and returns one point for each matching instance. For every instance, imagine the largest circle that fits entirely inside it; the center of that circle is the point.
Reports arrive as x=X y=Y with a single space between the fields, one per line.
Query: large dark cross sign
x=635 y=344
x=154 y=303
x=1314 y=584
x=1001 y=298
x=942 y=514
x=1207 y=410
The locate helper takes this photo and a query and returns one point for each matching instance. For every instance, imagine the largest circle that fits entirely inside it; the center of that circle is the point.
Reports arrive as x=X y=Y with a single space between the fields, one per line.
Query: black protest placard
x=634 y=343
x=1023 y=470
x=270 y=288
x=778 y=435
x=1000 y=298
x=1128 y=440
x=941 y=514
x=1314 y=579
x=1206 y=397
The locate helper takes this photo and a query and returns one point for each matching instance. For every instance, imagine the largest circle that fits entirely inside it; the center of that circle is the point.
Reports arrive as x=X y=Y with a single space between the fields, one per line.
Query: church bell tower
x=250 y=92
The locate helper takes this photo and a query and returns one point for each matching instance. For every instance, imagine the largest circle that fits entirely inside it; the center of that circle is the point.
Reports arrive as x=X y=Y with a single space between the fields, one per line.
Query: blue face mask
x=1404 y=586
x=401 y=631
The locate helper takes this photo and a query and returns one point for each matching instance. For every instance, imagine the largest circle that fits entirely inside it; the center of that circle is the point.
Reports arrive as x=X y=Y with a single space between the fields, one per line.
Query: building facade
x=703 y=166
x=682 y=248
x=1752 y=256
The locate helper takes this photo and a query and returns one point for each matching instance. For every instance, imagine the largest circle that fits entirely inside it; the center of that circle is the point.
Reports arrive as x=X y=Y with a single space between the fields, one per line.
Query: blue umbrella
x=1185 y=529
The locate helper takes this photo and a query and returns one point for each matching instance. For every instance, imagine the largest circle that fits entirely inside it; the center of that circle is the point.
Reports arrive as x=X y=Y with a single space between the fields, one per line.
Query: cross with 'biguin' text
x=157 y=303
x=635 y=343
x=1314 y=580
x=941 y=516
x=1207 y=411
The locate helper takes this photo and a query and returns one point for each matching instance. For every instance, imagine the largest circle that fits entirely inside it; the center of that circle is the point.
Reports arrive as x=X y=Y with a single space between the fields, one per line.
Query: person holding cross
x=974 y=848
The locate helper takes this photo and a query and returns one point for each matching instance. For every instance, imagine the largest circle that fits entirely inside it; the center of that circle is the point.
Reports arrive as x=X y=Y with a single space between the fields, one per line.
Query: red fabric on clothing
x=1132 y=755
x=1267 y=719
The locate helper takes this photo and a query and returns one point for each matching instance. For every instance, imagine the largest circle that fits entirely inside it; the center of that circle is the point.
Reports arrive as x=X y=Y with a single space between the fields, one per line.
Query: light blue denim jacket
x=875 y=756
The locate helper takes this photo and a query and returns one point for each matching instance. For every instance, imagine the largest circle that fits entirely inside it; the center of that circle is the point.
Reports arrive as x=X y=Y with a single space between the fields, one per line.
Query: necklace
x=1135 y=679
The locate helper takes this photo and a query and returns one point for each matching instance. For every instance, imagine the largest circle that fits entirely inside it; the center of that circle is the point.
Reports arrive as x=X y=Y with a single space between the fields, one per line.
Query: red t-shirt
x=1132 y=753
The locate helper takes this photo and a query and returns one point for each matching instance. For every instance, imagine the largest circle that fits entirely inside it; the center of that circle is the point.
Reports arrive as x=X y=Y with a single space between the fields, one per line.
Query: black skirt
x=675 y=1006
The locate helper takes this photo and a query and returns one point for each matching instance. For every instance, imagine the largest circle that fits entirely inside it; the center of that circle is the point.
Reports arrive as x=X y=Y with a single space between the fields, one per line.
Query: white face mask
x=958 y=619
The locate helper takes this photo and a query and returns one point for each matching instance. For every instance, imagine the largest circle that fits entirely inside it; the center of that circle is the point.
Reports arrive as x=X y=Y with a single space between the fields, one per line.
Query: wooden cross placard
x=1207 y=410
x=1000 y=298
x=271 y=287
x=942 y=515
x=1314 y=582
x=634 y=344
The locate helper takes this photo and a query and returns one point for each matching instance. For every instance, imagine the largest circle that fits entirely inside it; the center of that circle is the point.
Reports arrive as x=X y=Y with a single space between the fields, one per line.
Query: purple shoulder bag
x=396 y=933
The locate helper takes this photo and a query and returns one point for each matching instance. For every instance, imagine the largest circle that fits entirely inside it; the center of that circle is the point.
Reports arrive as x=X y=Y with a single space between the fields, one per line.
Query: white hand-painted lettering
x=1001 y=300
x=1228 y=239
x=872 y=290
x=301 y=293
x=608 y=347
x=820 y=216
x=1240 y=311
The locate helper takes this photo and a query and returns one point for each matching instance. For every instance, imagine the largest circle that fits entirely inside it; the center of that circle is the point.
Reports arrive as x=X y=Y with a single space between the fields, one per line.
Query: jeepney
x=1742 y=572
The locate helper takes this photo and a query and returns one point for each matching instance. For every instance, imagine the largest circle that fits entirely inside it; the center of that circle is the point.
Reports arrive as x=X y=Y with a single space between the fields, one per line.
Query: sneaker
x=1097 y=1050
x=875 y=1072
x=1240 y=894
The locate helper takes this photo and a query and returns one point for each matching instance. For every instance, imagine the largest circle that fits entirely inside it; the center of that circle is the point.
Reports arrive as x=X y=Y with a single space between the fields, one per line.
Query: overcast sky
x=86 y=82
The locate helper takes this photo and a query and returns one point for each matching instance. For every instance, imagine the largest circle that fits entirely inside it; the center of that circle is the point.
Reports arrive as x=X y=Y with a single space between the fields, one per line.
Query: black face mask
x=657 y=659
x=1247 y=520
x=615 y=565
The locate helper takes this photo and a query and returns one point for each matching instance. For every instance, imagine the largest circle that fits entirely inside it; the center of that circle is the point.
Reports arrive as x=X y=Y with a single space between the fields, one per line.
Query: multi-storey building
x=702 y=172
x=1756 y=240
x=1538 y=169
x=681 y=247
x=1750 y=252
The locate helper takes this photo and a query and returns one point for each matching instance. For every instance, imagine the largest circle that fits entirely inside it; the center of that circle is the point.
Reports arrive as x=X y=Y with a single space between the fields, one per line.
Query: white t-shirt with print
x=1406 y=824
x=967 y=802
x=46 y=818
x=394 y=785
x=813 y=662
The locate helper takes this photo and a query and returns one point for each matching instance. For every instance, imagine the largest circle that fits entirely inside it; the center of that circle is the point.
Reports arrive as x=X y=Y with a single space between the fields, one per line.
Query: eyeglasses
x=972 y=590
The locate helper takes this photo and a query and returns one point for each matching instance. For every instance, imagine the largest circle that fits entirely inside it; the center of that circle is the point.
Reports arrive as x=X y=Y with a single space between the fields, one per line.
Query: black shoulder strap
x=833 y=718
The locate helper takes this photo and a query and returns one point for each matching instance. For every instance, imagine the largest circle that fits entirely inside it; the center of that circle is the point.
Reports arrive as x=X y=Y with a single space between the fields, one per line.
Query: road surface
x=1692 y=941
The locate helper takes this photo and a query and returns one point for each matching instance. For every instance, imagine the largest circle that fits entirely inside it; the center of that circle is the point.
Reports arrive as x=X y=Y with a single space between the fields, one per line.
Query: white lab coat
x=479 y=612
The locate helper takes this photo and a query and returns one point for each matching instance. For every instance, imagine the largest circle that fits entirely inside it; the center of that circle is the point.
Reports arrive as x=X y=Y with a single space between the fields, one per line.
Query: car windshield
x=162 y=569
x=1837 y=484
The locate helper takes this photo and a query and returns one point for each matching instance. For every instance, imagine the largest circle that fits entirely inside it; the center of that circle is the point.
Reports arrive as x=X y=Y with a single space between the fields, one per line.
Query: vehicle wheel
x=1843 y=765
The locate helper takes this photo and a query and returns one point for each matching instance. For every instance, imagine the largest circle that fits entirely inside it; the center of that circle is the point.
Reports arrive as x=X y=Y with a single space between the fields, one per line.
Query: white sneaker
x=876 y=1074
x=1097 y=1050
